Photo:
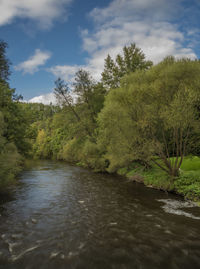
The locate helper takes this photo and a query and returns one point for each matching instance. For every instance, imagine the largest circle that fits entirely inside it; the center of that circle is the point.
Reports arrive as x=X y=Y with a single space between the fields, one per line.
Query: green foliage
x=12 y=126
x=152 y=177
x=188 y=184
x=152 y=114
x=37 y=112
x=141 y=128
x=158 y=179
x=10 y=164
x=71 y=151
x=124 y=171
x=10 y=159
x=14 y=118
x=90 y=98
x=40 y=147
x=133 y=59
x=4 y=63
x=92 y=156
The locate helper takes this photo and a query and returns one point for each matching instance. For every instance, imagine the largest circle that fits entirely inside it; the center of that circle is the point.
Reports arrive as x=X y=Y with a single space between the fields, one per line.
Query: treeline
x=16 y=138
x=138 y=113
x=73 y=134
x=12 y=125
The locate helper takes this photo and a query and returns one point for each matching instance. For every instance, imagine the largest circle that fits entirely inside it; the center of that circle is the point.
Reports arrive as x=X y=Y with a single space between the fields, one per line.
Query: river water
x=61 y=216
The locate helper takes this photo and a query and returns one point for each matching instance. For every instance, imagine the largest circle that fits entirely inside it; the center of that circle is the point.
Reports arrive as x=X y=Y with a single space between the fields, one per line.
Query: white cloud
x=48 y=98
x=42 y=11
x=144 y=22
x=45 y=99
x=65 y=72
x=32 y=64
x=126 y=10
x=148 y=23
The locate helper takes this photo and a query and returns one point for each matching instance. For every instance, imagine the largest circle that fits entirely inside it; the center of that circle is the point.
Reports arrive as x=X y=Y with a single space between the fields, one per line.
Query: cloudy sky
x=54 y=38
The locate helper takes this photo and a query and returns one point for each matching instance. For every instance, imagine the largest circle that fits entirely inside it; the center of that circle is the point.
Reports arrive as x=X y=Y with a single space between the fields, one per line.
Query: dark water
x=67 y=217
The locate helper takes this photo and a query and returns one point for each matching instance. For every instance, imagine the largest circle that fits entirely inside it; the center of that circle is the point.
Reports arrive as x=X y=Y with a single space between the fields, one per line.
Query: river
x=61 y=216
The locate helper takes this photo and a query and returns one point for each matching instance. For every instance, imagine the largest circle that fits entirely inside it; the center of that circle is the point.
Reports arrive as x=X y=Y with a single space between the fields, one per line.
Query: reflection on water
x=62 y=216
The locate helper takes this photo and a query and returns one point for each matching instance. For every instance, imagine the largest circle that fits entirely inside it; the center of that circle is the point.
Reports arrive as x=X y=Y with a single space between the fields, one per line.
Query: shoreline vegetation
x=140 y=120
x=186 y=185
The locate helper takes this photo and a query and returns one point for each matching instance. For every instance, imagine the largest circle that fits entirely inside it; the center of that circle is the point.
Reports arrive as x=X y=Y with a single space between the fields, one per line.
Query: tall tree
x=4 y=63
x=132 y=59
x=64 y=96
x=90 y=94
x=89 y=99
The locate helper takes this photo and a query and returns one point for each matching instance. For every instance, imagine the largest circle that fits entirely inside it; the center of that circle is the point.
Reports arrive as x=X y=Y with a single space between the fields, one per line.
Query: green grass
x=191 y=164
x=153 y=177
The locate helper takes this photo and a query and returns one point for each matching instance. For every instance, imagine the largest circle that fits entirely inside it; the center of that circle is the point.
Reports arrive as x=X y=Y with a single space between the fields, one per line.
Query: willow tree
x=152 y=116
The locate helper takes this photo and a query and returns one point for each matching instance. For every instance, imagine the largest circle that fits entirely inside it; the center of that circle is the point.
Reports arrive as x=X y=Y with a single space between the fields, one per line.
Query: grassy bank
x=187 y=184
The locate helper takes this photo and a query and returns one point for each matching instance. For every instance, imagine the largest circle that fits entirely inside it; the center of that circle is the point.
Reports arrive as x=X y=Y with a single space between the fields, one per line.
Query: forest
x=140 y=121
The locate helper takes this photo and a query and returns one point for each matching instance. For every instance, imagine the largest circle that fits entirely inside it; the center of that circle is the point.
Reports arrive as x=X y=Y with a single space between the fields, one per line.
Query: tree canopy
x=133 y=59
x=152 y=115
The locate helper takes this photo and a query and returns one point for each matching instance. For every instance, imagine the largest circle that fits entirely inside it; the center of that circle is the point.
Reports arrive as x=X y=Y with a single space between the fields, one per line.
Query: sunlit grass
x=191 y=164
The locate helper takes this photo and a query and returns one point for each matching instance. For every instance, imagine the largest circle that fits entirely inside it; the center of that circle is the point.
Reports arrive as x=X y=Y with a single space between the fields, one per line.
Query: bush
x=10 y=165
x=71 y=151
x=92 y=156
x=188 y=184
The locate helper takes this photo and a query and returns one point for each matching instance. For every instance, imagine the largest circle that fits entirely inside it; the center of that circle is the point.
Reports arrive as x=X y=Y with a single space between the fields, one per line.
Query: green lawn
x=191 y=164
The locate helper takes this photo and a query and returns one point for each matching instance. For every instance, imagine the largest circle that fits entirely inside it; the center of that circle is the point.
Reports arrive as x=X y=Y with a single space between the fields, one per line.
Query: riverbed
x=61 y=216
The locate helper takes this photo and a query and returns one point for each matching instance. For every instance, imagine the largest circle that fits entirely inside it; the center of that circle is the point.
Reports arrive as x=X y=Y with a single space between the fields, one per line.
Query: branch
x=159 y=165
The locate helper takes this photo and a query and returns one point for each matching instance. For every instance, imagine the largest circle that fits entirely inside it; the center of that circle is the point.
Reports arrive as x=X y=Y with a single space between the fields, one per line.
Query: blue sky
x=54 y=38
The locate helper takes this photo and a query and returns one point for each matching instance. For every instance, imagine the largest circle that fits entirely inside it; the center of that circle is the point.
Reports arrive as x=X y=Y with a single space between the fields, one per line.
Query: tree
x=64 y=97
x=4 y=63
x=14 y=119
x=152 y=116
x=89 y=101
x=9 y=157
x=132 y=59
x=90 y=94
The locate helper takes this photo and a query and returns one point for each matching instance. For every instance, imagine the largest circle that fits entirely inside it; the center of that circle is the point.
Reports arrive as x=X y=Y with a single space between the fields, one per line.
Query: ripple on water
x=68 y=217
x=19 y=256
x=175 y=207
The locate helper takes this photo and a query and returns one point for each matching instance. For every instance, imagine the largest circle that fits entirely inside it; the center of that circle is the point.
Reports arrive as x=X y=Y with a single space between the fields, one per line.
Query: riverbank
x=186 y=185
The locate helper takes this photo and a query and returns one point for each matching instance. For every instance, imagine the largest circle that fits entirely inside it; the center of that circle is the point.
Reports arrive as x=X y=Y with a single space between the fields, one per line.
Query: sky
x=48 y=39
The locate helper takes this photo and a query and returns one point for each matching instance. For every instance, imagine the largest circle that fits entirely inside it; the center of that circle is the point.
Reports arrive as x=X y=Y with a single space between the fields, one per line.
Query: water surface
x=61 y=216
